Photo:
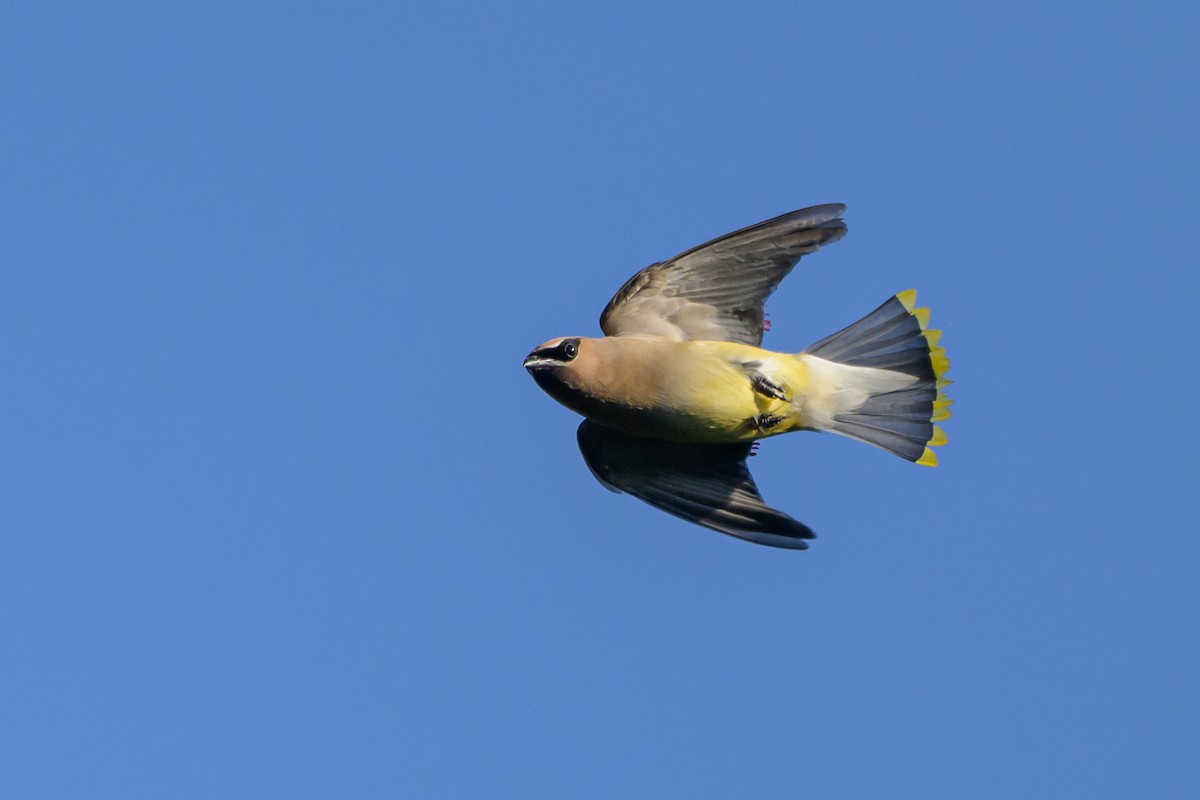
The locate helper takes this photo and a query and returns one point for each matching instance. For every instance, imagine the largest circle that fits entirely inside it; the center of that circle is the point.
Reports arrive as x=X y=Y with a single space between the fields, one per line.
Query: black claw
x=764 y=422
x=769 y=388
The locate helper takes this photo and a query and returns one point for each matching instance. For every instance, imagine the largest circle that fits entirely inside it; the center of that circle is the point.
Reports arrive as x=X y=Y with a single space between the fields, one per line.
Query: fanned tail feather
x=889 y=344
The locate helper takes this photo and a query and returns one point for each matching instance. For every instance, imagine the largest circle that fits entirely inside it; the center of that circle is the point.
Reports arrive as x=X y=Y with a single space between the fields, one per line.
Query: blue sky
x=284 y=517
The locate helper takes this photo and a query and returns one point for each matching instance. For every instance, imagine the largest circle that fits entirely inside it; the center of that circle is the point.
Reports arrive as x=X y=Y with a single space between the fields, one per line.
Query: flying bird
x=678 y=390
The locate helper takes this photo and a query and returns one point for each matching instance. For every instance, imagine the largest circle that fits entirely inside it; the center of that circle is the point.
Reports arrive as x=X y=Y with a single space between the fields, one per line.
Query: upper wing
x=716 y=291
x=702 y=483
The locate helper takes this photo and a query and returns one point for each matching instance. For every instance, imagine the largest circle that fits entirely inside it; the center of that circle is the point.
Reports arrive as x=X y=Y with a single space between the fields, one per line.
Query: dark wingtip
x=813 y=216
x=826 y=218
x=800 y=532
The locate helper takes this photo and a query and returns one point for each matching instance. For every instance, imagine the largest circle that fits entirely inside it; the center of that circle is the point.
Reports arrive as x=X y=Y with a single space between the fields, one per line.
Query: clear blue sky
x=283 y=516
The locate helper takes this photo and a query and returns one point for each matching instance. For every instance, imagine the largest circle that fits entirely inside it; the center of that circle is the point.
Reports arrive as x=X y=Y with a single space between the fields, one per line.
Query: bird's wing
x=702 y=483
x=716 y=291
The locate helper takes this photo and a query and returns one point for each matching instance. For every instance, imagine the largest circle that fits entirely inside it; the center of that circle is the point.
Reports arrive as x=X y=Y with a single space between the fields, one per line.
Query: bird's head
x=562 y=367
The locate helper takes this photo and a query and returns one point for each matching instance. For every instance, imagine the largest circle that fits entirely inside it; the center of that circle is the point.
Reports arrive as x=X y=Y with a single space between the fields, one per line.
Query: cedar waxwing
x=678 y=390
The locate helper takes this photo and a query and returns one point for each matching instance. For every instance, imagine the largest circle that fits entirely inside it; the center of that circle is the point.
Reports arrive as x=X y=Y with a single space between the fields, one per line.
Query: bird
x=678 y=391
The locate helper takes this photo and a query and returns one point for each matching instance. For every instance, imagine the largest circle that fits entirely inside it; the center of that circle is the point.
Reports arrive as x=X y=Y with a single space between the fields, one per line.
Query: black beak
x=541 y=359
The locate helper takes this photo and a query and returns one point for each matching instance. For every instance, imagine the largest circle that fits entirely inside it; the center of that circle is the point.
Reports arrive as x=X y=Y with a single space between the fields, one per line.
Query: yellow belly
x=709 y=395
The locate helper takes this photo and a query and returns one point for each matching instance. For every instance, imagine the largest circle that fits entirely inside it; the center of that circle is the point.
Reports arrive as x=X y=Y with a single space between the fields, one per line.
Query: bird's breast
x=693 y=391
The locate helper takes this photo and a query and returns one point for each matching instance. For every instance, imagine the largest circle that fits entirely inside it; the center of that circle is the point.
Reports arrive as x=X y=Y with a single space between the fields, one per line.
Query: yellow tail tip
x=939 y=437
x=940 y=362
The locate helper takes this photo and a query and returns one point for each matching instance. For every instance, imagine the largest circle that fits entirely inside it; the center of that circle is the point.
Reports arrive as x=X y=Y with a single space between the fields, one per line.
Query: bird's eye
x=570 y=350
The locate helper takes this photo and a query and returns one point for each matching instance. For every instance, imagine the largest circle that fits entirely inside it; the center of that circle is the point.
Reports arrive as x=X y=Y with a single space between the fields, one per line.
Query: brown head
x=614 y=380
x=565 y=368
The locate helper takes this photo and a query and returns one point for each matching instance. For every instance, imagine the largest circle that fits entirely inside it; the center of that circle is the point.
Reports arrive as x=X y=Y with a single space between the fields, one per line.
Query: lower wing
x=708 y=484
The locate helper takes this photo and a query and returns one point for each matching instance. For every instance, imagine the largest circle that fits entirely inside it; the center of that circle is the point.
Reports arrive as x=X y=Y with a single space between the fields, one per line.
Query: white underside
x=840 y=388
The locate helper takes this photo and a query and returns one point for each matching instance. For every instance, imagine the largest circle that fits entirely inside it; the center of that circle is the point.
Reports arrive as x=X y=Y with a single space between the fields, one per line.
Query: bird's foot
x=767 y=387
x=765 y=422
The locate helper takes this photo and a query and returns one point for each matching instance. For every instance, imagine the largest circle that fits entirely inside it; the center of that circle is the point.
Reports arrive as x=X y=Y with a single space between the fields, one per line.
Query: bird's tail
x=882 y=379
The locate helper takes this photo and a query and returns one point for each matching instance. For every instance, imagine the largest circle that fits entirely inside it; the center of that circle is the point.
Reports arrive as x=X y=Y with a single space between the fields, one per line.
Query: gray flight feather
x=703 y=483
x=716 y=291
